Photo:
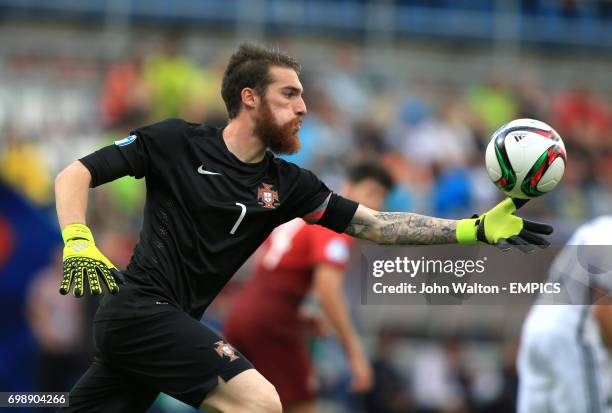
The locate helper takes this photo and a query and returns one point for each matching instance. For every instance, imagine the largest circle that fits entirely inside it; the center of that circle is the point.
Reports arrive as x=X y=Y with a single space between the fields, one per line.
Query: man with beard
x=213 y=196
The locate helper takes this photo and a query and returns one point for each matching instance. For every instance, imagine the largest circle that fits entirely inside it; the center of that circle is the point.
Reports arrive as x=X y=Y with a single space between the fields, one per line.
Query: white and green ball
x=525 y=158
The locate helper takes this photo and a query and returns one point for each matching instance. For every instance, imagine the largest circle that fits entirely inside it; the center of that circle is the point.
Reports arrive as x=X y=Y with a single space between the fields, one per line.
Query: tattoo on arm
x=358 y=228
x=401 y=228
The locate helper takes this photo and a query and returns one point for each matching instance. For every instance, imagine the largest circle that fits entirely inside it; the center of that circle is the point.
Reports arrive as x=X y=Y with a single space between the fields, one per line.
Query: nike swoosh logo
x=203 y=171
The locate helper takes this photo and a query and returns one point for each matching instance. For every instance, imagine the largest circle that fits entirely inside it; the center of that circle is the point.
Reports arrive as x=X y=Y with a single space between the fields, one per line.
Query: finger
x=534 y=239
x=537 y=227
x=66 y=278
x=503 y=244
x=94 y=283
x=521 y=244
x=78 y=281
x=109 y=280
x=518 y=202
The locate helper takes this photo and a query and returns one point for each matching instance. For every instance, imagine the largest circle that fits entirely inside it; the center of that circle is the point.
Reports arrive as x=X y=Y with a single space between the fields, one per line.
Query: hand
x=82 y=257
x=499 y=226
x=362 y=376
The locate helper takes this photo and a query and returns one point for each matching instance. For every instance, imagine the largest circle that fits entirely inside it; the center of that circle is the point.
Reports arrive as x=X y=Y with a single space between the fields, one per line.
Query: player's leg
x=575 y=392
x=102 y=389
x=551 y=373
x=249 y=391
x=535 y=379
x=283 y=359
x=177 y=355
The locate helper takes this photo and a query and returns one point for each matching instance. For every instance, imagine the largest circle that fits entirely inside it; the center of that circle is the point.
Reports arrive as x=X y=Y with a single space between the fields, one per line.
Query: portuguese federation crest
x=225 y=350
x=267 y=196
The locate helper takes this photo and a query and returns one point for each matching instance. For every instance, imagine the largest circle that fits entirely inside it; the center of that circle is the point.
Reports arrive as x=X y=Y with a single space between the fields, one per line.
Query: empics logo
x=267 y=196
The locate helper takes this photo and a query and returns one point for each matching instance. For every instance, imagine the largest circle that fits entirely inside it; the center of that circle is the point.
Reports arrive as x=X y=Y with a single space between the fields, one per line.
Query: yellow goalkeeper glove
x=499 y=226
x=82 y=257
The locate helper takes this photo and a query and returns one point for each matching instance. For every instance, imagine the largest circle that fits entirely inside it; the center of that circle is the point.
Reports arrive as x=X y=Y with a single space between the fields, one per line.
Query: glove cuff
x=76 y=231
x=466 y=231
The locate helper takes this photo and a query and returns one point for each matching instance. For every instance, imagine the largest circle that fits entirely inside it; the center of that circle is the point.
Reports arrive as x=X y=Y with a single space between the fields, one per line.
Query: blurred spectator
x=505 y=401
x=604 y=8
x=6 y=241
x=369 y=140
x=58 y=324
x=399 y=198
x=569 y=8
x=581 y=116
x=117 y=244
x=173 y=79
x=482 y=193
x=390 y=393
x=443 y=139
x=532 y=100
x=127 y=195
x=204 y=103
x=413 y=182
x=493 y=104
x=414 y=107
x=570 y=199
x=343 y=85
x=441 y=382
x=451 y=193
x=125 y=95
x=23 y=167
x=601 y=192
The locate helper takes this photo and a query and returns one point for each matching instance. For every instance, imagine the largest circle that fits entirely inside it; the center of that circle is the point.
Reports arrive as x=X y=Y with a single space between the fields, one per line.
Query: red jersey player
x=264 y=322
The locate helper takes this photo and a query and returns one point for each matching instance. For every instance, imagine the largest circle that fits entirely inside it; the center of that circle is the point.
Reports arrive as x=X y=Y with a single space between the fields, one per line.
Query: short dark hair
x=363 y=170
x=250 y=66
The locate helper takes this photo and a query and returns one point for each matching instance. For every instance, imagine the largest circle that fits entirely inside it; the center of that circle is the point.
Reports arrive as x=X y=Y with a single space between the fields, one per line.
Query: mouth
x=298 y=125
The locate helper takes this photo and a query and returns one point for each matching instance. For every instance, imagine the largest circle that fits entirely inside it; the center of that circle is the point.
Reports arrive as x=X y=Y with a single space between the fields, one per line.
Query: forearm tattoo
x=402 y=228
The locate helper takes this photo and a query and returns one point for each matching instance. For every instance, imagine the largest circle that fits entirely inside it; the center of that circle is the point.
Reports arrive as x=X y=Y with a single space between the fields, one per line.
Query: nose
x=300 y=108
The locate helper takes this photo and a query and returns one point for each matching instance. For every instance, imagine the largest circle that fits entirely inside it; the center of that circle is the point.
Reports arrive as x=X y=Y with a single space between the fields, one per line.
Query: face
x=280 y=112
x=368 y=192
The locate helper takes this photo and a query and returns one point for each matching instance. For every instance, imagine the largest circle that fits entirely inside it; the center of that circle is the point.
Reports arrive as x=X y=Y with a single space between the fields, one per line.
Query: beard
x=280 y=139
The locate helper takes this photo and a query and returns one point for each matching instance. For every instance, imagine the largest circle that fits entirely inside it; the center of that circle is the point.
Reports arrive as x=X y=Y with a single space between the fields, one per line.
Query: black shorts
x=137 y=358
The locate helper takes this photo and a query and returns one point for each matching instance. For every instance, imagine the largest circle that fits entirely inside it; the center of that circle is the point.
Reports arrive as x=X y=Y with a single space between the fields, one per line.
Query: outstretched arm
x=498 y=226
x=401 y=228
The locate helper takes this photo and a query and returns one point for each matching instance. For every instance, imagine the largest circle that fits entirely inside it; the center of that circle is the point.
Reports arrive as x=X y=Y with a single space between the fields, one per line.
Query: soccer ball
x=525 y=158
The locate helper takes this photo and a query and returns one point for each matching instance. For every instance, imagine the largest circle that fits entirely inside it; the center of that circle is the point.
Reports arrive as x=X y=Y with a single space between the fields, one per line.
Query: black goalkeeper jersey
x=206 y=212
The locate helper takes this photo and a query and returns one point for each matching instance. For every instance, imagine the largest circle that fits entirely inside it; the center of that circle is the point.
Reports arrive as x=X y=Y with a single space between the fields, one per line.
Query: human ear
x=249 y=98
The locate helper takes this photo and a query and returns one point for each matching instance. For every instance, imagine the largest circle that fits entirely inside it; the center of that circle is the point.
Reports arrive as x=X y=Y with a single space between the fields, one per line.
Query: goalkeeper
x=213 y=196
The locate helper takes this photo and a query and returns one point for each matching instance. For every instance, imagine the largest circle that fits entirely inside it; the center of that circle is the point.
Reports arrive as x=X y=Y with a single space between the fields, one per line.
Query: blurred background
x=418 y=85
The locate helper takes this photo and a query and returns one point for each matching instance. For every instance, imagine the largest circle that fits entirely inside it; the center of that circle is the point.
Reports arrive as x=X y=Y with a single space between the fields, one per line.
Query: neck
x=242 y=143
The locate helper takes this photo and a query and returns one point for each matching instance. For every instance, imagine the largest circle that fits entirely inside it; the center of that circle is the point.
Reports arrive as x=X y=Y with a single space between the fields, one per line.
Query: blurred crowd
x=431 y=136
x=561 y=8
